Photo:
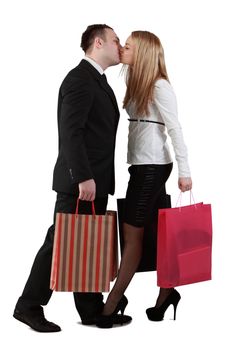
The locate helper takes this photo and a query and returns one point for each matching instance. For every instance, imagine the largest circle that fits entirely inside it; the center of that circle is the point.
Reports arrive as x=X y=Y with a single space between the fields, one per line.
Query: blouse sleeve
x=165 y=101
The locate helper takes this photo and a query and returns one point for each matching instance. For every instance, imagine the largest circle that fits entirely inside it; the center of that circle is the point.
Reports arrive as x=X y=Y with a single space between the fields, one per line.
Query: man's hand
x=185 y=183
x=87 y=190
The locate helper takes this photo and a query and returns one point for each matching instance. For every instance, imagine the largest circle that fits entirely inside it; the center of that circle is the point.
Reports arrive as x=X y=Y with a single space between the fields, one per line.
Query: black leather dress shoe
x=36 y=321
x=118 y=319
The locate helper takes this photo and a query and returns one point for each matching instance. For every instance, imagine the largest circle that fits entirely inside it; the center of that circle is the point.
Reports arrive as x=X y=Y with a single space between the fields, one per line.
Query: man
x=88 y=116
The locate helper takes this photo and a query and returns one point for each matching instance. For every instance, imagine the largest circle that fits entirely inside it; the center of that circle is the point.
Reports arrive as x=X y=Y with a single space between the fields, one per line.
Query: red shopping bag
x=85 y=252
x=184 y=245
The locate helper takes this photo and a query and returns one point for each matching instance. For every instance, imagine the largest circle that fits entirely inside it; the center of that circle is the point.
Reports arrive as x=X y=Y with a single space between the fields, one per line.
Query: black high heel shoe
x=157 y=313
x=107 y=321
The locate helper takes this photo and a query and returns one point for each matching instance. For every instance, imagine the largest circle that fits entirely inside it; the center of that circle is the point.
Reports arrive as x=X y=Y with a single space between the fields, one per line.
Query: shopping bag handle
x=180 y=198
x=77 y=207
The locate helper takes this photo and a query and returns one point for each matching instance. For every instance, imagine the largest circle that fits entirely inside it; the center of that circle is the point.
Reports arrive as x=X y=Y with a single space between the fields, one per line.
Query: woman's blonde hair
x=148 y=67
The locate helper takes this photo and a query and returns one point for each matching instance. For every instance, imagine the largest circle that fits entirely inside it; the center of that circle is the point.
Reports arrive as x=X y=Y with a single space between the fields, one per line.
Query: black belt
x=145 y=121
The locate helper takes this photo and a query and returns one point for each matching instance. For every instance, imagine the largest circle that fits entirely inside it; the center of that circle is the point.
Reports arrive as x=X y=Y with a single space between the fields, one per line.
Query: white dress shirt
x=147 y=141
x=94 y=64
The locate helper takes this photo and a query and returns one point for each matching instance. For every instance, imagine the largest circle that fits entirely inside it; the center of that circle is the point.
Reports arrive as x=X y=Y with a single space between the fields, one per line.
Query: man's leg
x=37 y=290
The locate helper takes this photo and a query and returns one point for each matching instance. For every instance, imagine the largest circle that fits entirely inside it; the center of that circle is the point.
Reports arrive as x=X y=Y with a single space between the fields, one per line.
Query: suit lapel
x=108 y=89
x=103 y=83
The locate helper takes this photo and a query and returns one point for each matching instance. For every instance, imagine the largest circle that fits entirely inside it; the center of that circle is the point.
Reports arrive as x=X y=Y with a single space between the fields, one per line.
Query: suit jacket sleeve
x=77 y=101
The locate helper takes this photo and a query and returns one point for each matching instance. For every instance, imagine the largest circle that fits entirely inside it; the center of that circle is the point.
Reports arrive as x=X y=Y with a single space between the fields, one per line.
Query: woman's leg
x=163 y=294
x=133 y=243
x=145 y=185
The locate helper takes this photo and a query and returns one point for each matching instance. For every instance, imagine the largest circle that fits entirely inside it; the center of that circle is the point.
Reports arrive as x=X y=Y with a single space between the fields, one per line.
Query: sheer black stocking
x=163 y=294
x=132 y=252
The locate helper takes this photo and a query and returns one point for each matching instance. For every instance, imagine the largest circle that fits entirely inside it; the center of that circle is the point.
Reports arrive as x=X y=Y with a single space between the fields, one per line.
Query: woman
x=151 y=104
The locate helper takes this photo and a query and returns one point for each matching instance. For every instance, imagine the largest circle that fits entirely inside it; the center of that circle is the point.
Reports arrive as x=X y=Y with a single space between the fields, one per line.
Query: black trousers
x=37 y=291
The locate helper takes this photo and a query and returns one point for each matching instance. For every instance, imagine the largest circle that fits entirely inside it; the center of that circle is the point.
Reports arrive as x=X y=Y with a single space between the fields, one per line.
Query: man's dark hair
x=91 y=33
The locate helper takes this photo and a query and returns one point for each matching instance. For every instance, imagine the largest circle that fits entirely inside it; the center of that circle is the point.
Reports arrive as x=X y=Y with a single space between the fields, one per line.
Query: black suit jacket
x=88 y=117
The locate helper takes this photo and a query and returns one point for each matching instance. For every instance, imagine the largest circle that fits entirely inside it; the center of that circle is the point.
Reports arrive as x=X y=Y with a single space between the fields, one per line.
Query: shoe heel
x=174 y=316
x=122 y=308
x=175 y=307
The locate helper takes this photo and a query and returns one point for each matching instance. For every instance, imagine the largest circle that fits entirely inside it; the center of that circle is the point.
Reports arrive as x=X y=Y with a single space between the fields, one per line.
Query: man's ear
x=98 y=42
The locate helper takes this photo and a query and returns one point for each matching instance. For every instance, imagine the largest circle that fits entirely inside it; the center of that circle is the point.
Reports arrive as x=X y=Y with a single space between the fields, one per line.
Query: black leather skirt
x=146 y=184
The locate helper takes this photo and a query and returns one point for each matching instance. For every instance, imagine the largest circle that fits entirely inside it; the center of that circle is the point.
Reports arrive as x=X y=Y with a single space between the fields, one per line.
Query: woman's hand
x=185 y=183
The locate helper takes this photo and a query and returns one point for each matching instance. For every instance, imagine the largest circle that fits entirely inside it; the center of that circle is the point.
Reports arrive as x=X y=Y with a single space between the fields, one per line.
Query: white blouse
x=147 y=141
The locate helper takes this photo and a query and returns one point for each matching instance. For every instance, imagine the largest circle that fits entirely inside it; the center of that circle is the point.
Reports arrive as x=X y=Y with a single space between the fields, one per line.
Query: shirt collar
x=94 y=64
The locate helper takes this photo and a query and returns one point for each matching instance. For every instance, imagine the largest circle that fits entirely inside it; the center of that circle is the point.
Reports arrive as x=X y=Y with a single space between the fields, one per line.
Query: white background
x=39 y=45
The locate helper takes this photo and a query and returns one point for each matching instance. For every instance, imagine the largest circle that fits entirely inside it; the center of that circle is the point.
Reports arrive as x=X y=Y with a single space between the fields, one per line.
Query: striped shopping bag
x=85 y=255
